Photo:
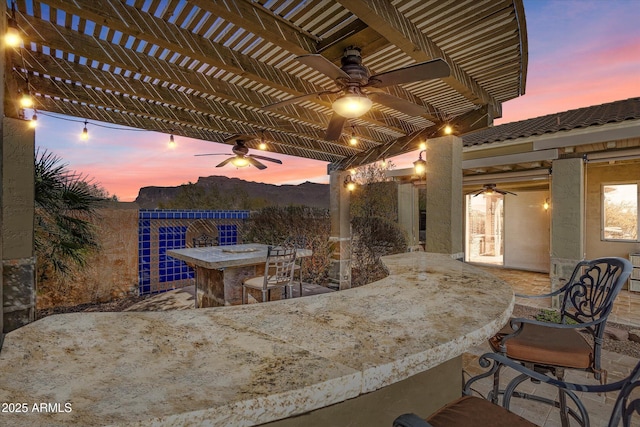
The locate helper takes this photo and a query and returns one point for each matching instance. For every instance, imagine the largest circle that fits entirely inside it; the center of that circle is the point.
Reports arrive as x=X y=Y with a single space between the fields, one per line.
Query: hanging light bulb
x=448 y=130
x=12 y=37
x=383 y=162
x=349 y=184
x=33 y=123
x=172 y=142
x=545 y=205
x=85 y=133
x=262 y=146
x=353 y=140
x=422 y=145
x=26 y=100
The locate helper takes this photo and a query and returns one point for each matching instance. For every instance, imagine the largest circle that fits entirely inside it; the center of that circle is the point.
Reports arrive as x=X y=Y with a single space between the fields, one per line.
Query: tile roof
x=613 y=112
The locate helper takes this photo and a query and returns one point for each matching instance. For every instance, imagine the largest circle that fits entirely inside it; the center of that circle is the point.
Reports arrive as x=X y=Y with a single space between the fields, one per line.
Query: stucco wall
x=110 y=273
x=596 y=175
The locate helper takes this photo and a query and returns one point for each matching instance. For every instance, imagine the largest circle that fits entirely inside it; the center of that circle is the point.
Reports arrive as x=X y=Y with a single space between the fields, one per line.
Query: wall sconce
x=420 y=166
x=349 y=183
x=546 y=205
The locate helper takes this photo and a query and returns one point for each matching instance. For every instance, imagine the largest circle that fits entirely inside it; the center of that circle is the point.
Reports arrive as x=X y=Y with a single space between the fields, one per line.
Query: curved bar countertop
x=247 y=365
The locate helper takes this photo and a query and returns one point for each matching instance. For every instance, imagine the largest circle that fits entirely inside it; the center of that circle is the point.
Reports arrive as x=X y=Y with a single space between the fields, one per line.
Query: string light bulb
x=12 y=37
x=33 y=123
x=262 y=145
x=448 y=130
x=84 y=136
x=545 y=205
x=172 y=142
x=353 y=140
x=26 y=100
x=422 y=145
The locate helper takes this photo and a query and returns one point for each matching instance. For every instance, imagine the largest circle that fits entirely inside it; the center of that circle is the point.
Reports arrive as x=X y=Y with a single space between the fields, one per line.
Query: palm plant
x=65 y=203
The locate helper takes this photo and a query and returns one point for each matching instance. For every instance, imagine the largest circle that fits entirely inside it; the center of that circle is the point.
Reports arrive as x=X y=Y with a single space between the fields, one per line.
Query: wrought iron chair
x=586 y=302
x=201 y=233
x=278 y=273
x=475 y=411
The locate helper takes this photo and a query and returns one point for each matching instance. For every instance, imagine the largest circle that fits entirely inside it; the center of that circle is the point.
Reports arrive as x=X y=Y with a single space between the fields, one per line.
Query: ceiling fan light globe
x=352 y=105
x=240 y=162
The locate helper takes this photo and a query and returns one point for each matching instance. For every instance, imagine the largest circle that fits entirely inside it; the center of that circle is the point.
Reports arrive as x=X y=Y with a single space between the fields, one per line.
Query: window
x=620 y=212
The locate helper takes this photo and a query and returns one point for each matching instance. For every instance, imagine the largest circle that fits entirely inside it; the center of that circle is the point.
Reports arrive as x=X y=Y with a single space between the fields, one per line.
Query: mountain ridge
x=307 y=194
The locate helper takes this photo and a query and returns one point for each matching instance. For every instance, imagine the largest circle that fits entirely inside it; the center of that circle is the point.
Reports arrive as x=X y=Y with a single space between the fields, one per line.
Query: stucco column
x=567 y=219
x=18 y=261
x=3 y=23
x=444 y=221
x=340 y=239
x=408 y=212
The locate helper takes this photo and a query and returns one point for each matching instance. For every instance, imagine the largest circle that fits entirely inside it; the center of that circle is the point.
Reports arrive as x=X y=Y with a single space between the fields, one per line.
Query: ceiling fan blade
x=269 y=159
x=224 y=162
x=434 y=69
x=504 y=192
x=255 y=163
x=213 y=154
x=398 y=104
x=334 y=128
x=322 y=64
x=298 y=99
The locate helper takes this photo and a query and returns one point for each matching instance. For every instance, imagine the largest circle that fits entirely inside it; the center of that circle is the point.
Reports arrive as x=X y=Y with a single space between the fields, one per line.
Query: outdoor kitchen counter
x=247 y=365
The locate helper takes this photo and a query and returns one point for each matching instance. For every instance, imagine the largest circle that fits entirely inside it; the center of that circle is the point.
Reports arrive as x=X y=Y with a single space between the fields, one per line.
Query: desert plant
x=553 y=316
x=65 y=203
x=276 y=224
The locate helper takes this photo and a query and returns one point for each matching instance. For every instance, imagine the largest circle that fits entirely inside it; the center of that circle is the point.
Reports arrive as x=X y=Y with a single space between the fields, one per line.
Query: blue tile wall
x=162 y=230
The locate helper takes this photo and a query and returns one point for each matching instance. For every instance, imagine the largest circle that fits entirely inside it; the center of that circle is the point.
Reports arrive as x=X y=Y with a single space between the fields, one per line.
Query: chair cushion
x=475 y=411
x=547 y=346
x=258 y=282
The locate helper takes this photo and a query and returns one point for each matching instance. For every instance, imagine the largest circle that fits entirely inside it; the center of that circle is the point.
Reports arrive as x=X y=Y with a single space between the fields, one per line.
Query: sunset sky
x=581 y=53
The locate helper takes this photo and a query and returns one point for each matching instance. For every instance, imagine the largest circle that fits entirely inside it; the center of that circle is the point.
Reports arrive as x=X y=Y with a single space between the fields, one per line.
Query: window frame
x=602 y=211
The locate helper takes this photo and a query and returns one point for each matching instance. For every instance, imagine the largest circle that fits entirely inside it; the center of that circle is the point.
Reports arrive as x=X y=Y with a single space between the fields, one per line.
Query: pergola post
x=567 y=219
x=3 y=29
x=444 y=221
x=340 y=239
x=409 y=212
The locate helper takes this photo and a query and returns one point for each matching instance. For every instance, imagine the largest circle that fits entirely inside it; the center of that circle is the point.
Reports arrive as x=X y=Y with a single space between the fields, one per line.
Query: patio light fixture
x=349 y=183
x=26 y=100
x=353 y=140
x=85 y=133
x=33 y=123
x=448 y=130
x=352 y=105
x=172 y=142
x=240 y=162
x=546 y=205
x=12 y=37
x=420 y=165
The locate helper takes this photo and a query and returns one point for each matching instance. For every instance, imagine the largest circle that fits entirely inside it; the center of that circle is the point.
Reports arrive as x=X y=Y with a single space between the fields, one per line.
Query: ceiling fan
x=241 y=156
x=490 y=189
x=352 y=77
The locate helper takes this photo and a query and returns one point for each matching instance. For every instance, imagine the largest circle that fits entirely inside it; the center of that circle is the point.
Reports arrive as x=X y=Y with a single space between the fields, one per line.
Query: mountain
x=307 y=193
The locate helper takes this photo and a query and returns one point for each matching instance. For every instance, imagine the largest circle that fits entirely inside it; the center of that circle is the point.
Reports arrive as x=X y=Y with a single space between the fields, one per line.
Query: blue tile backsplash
x=162 y=230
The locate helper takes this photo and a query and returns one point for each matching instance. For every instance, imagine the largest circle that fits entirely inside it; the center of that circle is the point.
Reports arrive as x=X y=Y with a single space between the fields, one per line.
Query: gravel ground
x=630 y=348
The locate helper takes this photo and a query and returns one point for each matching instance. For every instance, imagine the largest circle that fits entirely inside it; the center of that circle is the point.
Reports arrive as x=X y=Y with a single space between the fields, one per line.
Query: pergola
x=206 y=69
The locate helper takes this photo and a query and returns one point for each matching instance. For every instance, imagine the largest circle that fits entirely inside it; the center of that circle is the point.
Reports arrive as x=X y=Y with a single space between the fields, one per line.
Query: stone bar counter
x=356 y=357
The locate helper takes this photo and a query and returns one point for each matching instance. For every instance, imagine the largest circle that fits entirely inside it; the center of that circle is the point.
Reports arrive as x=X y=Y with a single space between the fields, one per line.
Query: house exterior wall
x=526 y=233
x=596 y=175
